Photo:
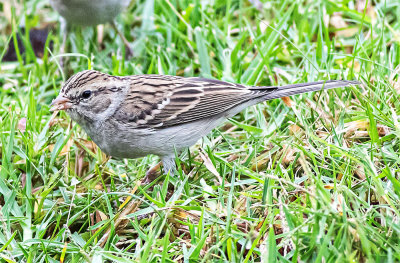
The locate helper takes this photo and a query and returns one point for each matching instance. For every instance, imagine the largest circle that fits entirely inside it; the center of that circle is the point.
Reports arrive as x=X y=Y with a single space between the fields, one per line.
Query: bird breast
x=123 y=142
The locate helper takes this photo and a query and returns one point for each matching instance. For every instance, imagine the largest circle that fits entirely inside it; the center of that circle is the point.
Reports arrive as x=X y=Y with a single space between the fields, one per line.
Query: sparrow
x=89 y=13
x=133 y=116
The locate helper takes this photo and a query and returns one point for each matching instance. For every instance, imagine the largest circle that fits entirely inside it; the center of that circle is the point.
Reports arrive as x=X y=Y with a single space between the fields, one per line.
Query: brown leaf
x=97 y=217
x=350 y=128
x=359 y=129
x=66 y=149
x=88 y=144
x=100 y=34
x=80 y=164
x=261 y=161
x=98 y=186
x=289 y=154
x=294 y=129
x=232 y=157
x=22 y=125
x=355 y=65
x=100 y=216
x=343 y=29
x=23 y=180
x=259 y=225
x=288 y=101
x=339 y=176
x=53 y=119
x=120 y=219
x=338 y=203
x=359 y=172
x=360 y=7
x=209 y=165
x=352 y=230
x=383 y=130
x=337 y=20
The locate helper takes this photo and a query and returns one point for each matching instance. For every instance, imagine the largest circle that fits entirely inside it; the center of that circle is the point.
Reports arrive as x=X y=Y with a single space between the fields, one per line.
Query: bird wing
x=158 y=101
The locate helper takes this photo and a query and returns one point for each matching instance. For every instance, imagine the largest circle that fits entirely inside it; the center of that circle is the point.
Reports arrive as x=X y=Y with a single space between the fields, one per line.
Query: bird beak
x=60 y=103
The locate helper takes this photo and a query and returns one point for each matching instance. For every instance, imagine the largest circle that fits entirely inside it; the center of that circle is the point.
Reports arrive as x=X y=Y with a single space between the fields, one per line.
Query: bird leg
x=169 y=166
x=126 y=42
x=64 y=32
x=128 y=207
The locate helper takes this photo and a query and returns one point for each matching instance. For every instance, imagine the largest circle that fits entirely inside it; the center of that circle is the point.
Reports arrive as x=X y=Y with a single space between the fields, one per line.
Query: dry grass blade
x=120 y=219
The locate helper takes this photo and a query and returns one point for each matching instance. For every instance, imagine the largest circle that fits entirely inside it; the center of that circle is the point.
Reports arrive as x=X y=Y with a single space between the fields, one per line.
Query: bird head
x=89 y=96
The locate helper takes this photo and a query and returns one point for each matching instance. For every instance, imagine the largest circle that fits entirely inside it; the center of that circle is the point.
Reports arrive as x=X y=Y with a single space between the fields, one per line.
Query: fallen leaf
x=22 y=125
x=88 y=144
x=352 y=230
x=359 y=172
x=294 y=129
x=342 y=27
x=340 y=176
x=232 y=158
x=360 y=7
x=80 y=164
x=288 y=101
x=261 y=161
x=356 y=66
x=53 y=120
x=66 y=149
x=359 y=129
x=97 y=217
x=23 y=180
x=289 y=154
x=383 y=130
x=100 y=216
x=350 y=128
x=259 y=225
x=209 y=165
x=100 y=33
x=337 y=21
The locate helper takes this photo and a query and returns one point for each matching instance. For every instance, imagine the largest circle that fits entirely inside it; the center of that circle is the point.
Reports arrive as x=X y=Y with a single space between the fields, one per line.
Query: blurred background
x=306 y=179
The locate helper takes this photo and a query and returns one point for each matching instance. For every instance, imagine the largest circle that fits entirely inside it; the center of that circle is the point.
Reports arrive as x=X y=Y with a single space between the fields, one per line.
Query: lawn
x=313 y=178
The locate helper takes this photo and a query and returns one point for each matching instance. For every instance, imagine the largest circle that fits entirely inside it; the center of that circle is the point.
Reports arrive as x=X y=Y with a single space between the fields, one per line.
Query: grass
x=314 y=182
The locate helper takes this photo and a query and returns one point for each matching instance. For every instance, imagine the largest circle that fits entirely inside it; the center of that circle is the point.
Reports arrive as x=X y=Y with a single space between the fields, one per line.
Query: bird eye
x=86 y=94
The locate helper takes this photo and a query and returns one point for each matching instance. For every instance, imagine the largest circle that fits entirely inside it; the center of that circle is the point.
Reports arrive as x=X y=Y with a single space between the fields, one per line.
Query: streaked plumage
x=132 y=116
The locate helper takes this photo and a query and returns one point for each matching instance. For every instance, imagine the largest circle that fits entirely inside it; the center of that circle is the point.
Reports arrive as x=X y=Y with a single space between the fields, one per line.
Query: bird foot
x=126 y=42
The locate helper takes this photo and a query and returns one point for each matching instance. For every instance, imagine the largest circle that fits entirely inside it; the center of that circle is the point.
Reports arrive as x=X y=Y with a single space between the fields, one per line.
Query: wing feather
x=162 y=101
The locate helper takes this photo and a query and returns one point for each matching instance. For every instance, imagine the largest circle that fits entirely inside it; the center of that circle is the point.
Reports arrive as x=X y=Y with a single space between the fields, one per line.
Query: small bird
x=133 y=116
x=89 y=13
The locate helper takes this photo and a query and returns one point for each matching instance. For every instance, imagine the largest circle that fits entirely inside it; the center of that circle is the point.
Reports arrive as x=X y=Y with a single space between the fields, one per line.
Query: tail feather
x=293 y=89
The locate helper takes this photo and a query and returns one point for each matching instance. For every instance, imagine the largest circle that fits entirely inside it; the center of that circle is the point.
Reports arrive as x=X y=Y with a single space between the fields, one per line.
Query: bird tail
x=293 y=89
